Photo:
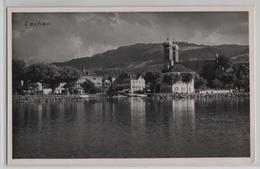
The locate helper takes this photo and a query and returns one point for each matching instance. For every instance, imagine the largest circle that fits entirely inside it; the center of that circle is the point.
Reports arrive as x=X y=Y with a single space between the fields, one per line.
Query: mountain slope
x=139 y=57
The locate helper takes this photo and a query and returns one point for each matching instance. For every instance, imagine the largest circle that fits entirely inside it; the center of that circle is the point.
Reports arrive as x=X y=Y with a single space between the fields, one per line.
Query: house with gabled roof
x=130 y=82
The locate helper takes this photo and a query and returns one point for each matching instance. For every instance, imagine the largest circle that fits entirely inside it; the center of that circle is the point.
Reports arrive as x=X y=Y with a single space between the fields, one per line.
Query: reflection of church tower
x=171 y=54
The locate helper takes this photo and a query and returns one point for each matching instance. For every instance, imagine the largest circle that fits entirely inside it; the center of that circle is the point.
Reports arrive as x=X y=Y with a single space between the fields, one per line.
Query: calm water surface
x=132 y=127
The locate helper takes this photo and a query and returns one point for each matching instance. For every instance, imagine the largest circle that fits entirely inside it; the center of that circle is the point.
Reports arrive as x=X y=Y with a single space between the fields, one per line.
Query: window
x=182 y=89
x=176 y=88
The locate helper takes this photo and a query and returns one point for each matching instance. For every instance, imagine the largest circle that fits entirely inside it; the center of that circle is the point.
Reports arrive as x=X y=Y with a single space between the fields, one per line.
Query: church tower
x=171 y=54
x=168 y=54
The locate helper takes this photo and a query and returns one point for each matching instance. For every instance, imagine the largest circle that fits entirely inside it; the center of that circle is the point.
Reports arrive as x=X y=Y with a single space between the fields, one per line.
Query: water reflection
x=138 y=114
x=131 y=127
x=183 y=112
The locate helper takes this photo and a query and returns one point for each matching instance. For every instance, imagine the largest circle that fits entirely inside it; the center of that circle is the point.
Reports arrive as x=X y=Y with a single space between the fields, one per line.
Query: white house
x=132 y=83
x=38 y=87
x=180 y=87
x=137 y=84
x=106 y=84
x=60 y=89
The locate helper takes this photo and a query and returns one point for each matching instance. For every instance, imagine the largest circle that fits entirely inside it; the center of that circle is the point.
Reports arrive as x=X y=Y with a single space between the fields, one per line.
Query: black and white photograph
x=152 y=84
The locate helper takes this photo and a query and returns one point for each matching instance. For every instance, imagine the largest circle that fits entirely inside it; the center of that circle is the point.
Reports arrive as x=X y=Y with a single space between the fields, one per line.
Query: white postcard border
x=134 y=161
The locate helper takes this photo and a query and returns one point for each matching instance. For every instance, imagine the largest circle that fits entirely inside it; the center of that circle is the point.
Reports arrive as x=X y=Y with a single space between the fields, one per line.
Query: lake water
x=132 y=127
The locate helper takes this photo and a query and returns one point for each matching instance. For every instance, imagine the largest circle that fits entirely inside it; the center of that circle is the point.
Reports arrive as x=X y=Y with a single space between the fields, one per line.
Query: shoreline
x=151 y=96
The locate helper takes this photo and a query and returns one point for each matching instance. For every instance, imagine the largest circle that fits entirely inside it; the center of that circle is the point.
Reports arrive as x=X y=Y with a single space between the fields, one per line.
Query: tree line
x=49 y=75
x=222 y=74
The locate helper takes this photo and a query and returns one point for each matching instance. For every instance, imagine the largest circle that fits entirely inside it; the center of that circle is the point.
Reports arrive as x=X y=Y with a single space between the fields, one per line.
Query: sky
x=73 y=35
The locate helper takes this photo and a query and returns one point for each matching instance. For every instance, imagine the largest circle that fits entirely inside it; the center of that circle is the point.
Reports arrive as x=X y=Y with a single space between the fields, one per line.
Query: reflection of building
x=131 y=82
x=138 y=113
x=184 y=112
x=173 y=67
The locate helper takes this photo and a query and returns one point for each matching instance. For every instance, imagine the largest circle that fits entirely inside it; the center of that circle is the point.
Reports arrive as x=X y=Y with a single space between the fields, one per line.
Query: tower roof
x=168 y=43
x=175 y=46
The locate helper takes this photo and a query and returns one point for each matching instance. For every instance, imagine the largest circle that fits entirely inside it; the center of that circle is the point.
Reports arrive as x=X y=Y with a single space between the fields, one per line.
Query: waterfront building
x=95 y=79
x=38 y=87
x=60 y=89
x=137 y=84
x=106 y=85
x=47 y=91
x=132 y=83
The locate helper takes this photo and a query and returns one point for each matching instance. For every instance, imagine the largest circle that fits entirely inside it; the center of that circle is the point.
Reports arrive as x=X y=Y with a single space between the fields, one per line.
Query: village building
x=173 y=67
x=60 y=89
x=137 y=84
x=131 y=83
x=40 y=89
x=106 y=84
x=95 y=79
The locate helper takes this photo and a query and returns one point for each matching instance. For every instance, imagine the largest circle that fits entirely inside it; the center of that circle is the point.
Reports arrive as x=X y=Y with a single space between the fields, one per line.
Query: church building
x=172 y=67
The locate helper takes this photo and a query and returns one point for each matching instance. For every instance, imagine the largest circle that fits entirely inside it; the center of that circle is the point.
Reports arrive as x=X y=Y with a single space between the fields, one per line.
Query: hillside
x=149 y=57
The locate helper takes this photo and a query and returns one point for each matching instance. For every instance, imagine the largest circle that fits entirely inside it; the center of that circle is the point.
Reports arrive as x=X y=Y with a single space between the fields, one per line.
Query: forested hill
x=150 y=56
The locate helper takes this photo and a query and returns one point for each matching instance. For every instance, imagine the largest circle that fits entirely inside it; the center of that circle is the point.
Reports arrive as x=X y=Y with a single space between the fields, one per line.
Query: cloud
x=73 y=35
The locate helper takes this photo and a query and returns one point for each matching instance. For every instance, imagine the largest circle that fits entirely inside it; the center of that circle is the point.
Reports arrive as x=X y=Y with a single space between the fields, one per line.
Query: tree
x=36 y=72
x=167 y=79
x=89 y=87
x=186 y=78
x=122 y=76
x=218 y=71
x=242 y=76
x=228 y=78
x=200 y=82
x=152 y=79
x=17 y=75
x=70 y=76
x=52 y=77
x=209 y=72
x=170 y=79
x=175 y=78
x=218 y=84
x=71 y=87
x=223 y=62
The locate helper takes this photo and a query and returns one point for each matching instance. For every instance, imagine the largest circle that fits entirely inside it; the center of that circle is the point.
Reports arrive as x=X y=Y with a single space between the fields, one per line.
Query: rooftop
x=180 y=68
